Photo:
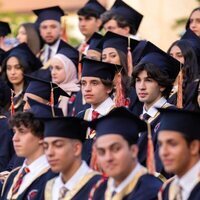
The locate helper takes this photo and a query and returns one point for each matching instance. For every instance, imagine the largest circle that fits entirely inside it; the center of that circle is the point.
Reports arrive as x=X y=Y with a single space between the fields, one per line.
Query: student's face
x=14 y=71
x=115 y=156
x=195 y=22
x=175 y=153
x=112 y=26
x=110 y=55
x=50 y=31
x=176 y=53
x=22 y=36
x=147 y=89
x=93 y=90
x=88 y=25
x=34 y=97
x=25 y=143
x=58 y=73
x=62 y=153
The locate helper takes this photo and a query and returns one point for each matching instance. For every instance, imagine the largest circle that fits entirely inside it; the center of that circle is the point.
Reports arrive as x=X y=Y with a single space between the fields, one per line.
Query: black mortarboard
x=66 y=127
x=50 y=13
x=132 y=16
x=71 y=53
x=2 y=56
x=154 y=55
x=119 y=121
x=44 y=88
x=183 y=121
x=26 y=56
x=99 y=69
x=42 y=110
x=117 y=41
x=4 y=28
x=95 y=6
x=94 y=41
x=5 y=93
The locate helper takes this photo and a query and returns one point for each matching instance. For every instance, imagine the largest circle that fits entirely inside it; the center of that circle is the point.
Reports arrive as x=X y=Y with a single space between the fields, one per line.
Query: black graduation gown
x=34 y=191
x=6 y=145
x=146 y=188
x=194 y=195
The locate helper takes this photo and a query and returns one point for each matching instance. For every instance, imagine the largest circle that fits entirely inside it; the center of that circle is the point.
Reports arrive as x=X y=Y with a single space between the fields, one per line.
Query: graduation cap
x=4 y=28
x=26 y=56
x=44 y=89
x=43 y=110
x=99 y=69
x=114 y=40
x=94 y=41
x=132 y=16
x=95 y=6
x=183 y=121
x=119 y=121
x=71 y=53
x=149 y=53
x=49 y=13
x=66 y=127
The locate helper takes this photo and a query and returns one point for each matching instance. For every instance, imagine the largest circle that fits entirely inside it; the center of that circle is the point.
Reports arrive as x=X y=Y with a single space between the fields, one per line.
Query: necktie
x=49 y=53
x=17 y=185
x=62 y=192
x=95 y=115
x=146 y=116
x=178 y=194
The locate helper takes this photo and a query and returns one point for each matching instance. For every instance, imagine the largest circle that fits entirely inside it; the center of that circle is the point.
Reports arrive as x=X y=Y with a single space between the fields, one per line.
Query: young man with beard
x=179 y=150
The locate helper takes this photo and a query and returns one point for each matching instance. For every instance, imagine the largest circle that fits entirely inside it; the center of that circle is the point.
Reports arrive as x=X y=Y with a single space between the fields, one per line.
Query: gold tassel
x=180 y=90
x=129 y=59
x=150 y=163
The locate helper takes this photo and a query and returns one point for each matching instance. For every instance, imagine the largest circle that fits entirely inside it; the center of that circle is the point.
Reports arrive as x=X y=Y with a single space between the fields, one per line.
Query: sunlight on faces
x=176 y=53
x=62 y=153
x=14 y=71
x=50 y=31
x=22 y=35
x=58 y=73
x=195 y=22
x=110 y=55
x=176 y=155
x=94 y=91
x=115 y=156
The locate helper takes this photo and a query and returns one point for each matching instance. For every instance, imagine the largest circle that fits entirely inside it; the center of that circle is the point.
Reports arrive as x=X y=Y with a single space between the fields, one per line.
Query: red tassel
x=12 y=107
x=129 y=59
x=180 y=90
x=79 y=71
x=150 y=163
x=119 y=94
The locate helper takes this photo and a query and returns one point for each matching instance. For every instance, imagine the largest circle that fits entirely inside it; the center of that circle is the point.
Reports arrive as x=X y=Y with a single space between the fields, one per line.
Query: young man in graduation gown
x=179 y=140
x=153 y=79
x=63 y=144
x=27 y=181
x=96 y=85
x=89 y=22
x=116 y=146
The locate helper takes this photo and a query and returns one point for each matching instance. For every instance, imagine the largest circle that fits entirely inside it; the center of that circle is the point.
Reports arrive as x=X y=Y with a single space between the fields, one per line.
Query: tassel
x=180 y=90
x=129 y=59
x=119 y=94
x=51 y=101
x=79 y=70
x=12 y=107
x=150 y=163
x=64 y=32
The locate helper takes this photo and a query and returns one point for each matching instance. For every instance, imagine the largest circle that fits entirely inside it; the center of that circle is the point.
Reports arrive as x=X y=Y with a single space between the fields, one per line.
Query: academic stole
x=15 y=196
x=127 y=190
x=71 y=193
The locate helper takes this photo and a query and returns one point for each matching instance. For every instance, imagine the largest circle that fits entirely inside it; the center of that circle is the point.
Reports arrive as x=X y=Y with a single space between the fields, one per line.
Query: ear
x=41 y=141
x=77 y=147
x=195 y=147
x=134 y=150
x=162 y=88
x=126 y=30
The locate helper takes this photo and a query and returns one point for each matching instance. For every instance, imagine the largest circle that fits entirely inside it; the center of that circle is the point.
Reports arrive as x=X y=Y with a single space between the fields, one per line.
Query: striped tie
x=17 y=185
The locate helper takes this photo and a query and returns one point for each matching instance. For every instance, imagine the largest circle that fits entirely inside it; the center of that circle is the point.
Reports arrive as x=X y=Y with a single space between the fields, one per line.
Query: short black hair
x=121 y=21
x=156 y=74
x=86 y=12
x=28 y=120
